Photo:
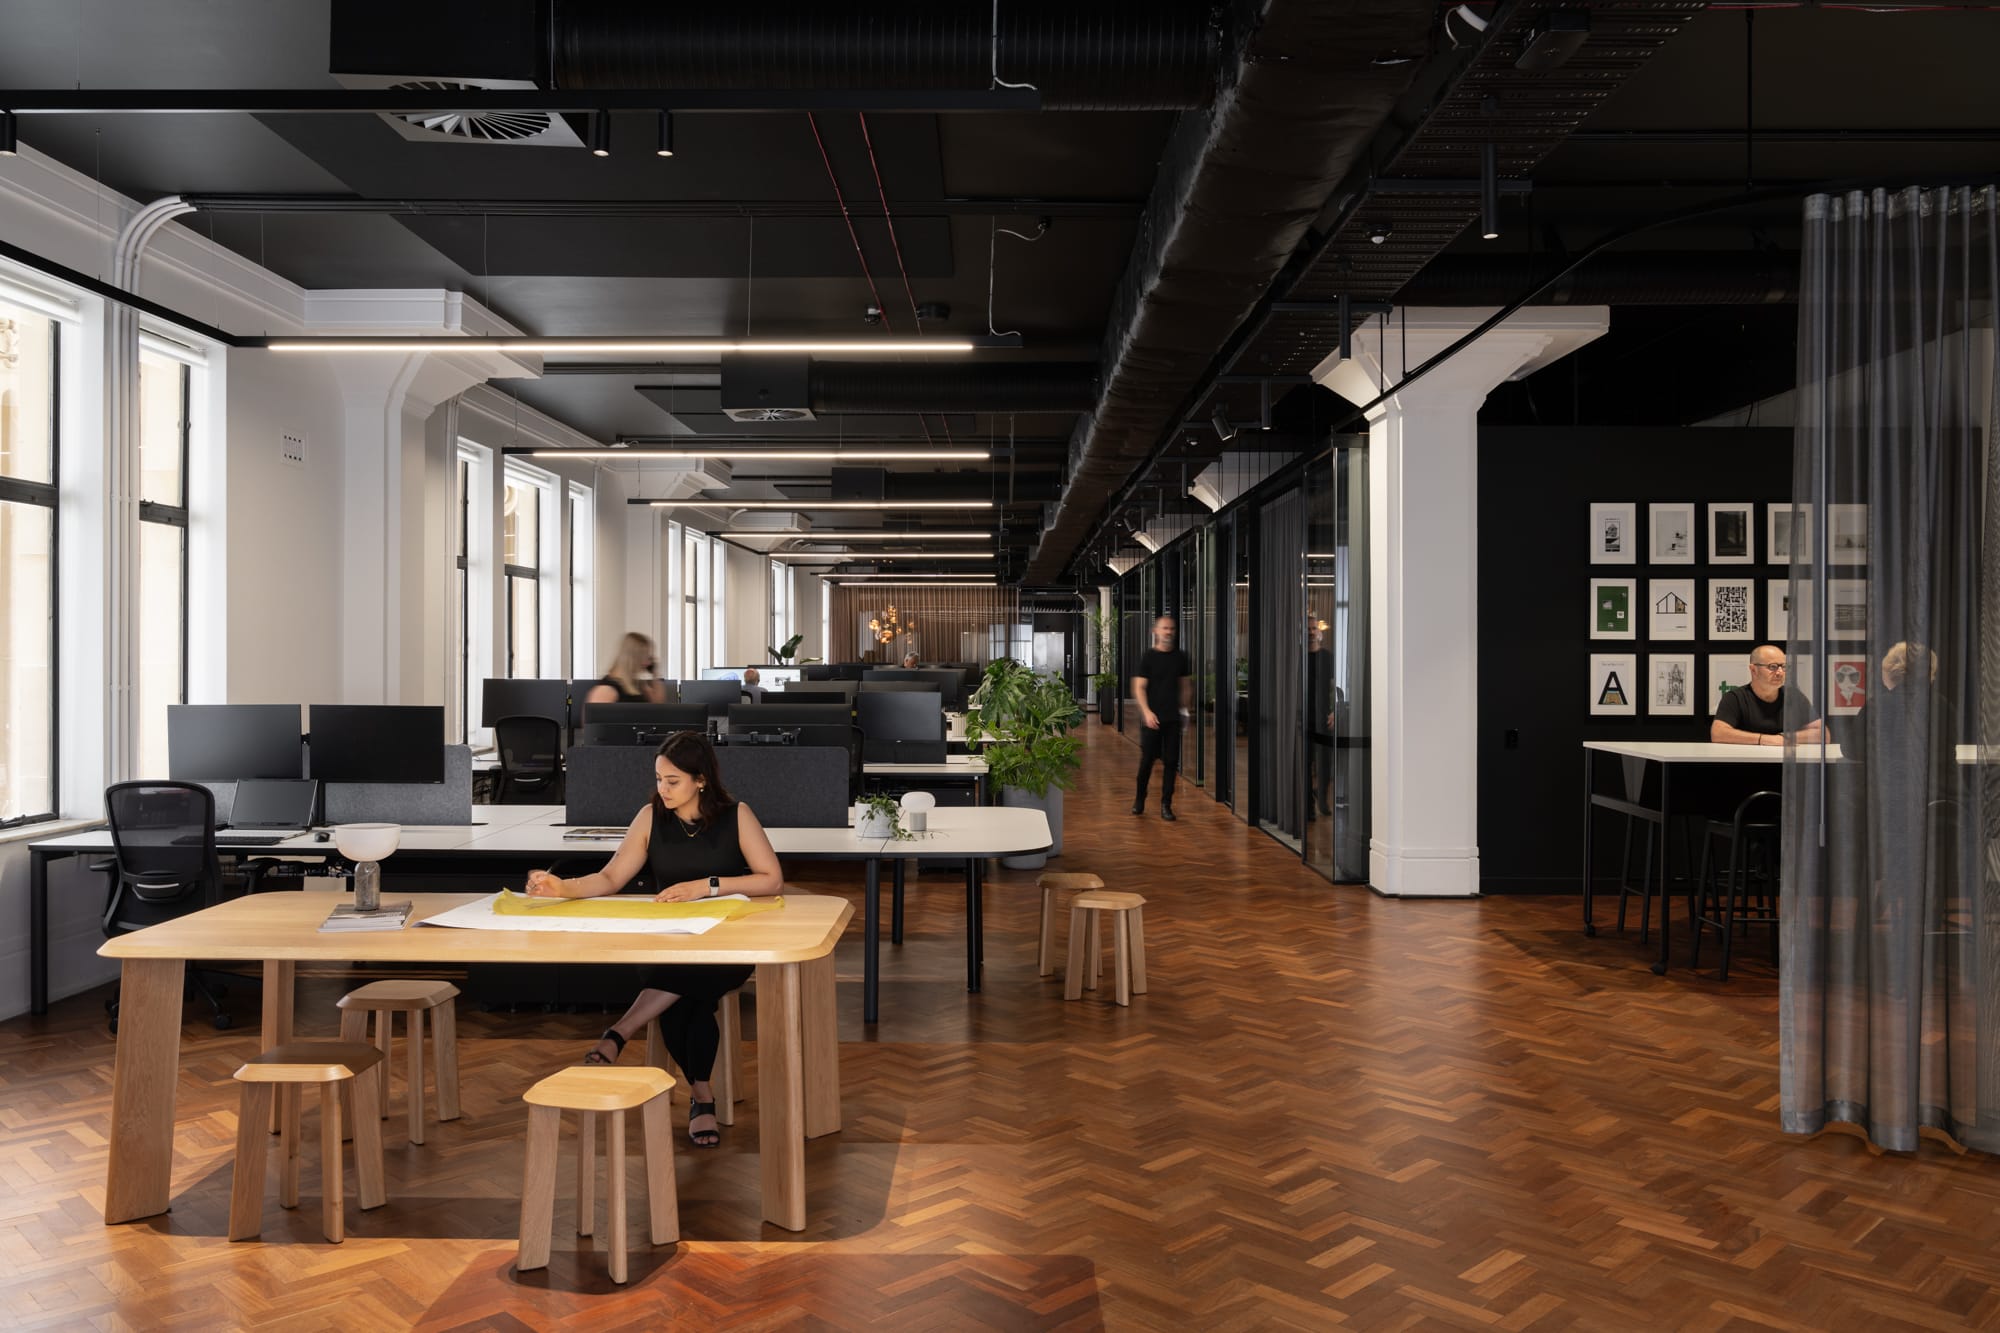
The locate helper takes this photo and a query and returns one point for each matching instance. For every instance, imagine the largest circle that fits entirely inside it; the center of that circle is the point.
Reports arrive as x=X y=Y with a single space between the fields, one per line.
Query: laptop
x=268 y=810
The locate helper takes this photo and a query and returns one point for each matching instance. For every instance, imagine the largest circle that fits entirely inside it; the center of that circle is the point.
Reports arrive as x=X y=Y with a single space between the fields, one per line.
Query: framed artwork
x=1612 y=606
x=1778 y=610
x=1670 y=685
x=1670 y=608
x=1671 y=527
x=1614 y=534
x=1846 y=535
x=1848 y=684
x=1614 y=685
x=1847 y=608
x=1732 y=609
x=1732 y=538
x=1788 y=534
x=1726 y=672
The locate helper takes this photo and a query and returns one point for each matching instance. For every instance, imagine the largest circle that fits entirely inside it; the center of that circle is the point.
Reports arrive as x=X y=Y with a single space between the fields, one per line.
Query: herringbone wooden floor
x=1332 y=1110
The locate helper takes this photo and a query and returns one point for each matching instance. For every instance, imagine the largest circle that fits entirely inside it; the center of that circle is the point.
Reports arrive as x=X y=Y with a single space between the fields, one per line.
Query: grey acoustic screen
x=789 y=786
x=447 y=802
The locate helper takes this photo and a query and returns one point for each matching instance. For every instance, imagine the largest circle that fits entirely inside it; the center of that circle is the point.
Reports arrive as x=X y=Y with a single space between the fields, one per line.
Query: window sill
x=50 y=828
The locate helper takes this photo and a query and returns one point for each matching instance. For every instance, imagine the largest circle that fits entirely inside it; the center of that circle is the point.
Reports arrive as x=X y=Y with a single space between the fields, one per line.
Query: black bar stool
x=1747 y=893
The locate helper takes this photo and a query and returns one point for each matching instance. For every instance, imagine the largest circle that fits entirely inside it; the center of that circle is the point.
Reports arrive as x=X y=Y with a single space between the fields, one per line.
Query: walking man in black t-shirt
x=1165 y=690
x=1768 y=709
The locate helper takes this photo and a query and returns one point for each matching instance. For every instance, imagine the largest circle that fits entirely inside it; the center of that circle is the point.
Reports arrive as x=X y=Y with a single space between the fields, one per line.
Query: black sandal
x=596 y=1056
x=702 y=1138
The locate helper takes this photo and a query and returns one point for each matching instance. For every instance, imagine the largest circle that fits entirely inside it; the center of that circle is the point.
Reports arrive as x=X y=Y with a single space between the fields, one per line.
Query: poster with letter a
x=1614 y=685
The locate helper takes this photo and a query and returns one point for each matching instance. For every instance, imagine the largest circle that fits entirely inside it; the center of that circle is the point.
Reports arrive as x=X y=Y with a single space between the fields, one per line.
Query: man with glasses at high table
x=1768 y=710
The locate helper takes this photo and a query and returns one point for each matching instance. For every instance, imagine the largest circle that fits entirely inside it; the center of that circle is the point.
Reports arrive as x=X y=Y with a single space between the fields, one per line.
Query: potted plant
x=1105 y=684
x=784 y=654
x=878 y=817
x=1025 y=721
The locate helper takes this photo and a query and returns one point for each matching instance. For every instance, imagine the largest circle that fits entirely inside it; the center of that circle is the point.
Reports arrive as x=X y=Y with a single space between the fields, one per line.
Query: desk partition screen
x=230 y=742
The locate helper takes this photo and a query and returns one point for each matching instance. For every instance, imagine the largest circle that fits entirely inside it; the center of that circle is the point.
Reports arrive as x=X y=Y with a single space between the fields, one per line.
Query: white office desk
x=962 y=767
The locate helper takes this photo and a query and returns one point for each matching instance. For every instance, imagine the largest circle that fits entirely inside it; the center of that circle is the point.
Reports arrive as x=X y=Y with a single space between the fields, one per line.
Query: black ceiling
x=742 y=231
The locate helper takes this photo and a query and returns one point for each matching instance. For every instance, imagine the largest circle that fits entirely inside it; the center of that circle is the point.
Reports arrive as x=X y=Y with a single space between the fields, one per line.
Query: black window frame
x=46 y=495
x=464 y=598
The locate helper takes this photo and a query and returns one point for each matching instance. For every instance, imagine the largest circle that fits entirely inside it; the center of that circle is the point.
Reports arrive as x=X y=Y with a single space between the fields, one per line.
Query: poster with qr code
x=1732 y=609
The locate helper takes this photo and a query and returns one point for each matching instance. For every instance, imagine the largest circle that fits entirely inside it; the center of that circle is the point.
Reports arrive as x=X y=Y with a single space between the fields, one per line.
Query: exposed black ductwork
x=1238 y=188
x=1668 y=278
x=859 y=386
x=1106 y=54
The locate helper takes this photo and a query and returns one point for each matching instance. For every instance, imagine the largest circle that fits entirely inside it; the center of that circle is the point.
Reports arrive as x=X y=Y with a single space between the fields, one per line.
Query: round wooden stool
x=1128 y=943
x=590 y=1089
x=286 y=1069
x=1051 y=884
x=385 y=999
x=726 y=1080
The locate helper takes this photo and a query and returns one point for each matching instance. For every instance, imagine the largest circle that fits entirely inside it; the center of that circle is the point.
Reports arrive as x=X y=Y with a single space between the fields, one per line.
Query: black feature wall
x=1535 y=492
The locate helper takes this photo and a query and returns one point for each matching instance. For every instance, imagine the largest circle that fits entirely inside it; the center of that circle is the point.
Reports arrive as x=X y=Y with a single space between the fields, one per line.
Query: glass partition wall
x=1271 y=600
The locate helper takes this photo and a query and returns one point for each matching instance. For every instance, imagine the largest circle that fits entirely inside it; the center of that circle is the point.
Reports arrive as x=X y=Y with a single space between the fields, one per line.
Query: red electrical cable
x=841 y=199
x=896 y=245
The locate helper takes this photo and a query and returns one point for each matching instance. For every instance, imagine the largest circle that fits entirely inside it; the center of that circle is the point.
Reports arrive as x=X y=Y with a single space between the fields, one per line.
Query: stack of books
x=388 y=916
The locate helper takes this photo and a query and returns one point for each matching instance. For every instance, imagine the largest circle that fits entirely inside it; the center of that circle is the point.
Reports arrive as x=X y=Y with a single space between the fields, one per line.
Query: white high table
x=798 y=1054
x=1637 y=757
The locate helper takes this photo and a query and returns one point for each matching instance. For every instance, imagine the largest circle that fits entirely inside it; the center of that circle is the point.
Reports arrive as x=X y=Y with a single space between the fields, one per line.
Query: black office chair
x=531 y=771
x=1747 y=892
x=164 y=865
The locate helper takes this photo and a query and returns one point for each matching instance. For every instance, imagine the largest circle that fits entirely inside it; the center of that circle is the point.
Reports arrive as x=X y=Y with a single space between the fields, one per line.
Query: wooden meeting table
x=798 y=1055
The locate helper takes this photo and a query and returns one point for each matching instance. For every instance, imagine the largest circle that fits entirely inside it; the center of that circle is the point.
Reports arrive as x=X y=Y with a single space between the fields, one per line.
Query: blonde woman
x=630 y=679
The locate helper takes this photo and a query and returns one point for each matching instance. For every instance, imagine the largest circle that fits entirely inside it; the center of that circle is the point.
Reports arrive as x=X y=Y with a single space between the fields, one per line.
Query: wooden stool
x=334 y=1065
x=384 y=999
x=590 y=1089
x=1052 y=884
x=1128 y=945
x=727 y=1078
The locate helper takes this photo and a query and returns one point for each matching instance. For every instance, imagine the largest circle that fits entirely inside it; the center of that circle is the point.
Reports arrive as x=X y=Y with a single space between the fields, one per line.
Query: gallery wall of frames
x=1624 y=577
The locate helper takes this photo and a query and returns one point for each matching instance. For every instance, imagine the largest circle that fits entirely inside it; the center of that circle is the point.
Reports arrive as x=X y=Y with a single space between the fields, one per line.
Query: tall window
x=781 y=603
x=697 y=615
x=163 y=551
x=461 y=590
x=826 y=620
x=28 y=415
x=582 y=597
x=522 y=521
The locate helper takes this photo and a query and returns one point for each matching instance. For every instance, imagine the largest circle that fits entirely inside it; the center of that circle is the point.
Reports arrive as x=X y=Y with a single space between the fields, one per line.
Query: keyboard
x=250 y=839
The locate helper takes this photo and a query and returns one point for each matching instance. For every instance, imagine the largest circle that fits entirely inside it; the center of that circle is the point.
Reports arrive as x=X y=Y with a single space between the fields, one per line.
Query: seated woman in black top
x=630 y=679
x=699 y=844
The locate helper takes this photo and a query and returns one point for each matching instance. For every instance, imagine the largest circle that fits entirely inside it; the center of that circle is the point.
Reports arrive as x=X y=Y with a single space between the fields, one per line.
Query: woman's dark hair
x=690 y=752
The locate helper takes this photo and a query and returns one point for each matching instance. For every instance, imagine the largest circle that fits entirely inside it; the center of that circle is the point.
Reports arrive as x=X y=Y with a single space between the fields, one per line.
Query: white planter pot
x=1052 y=806
x=873 y=825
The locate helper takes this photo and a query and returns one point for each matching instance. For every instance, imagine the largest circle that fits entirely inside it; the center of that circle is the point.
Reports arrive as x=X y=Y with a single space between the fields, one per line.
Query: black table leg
x=1666 y=885
x=871 y=943
x=972 y=905
x=1589 y=926
x=896 y=903
x=38 y=930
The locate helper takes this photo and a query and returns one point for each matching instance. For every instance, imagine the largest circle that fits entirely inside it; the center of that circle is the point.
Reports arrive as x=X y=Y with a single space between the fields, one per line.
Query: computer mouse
x=322 y=836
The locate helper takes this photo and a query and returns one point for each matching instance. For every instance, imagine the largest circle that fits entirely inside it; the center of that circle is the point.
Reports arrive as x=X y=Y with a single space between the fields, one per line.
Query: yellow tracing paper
x=510 y=903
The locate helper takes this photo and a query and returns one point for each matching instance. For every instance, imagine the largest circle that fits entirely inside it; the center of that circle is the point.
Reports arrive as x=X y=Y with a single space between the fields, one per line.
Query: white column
x=1423 y=505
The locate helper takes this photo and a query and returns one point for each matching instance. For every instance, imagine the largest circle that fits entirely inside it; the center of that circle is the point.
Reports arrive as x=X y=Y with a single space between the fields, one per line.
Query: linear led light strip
x=846 y=557
x=873 y=578
x=815 y=504
x=816 y=536
x=786 y=455
x=690 y=346
x=989 y=583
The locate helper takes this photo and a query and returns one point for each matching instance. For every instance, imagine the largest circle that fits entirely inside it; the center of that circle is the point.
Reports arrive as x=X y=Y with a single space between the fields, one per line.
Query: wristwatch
x=714 y=886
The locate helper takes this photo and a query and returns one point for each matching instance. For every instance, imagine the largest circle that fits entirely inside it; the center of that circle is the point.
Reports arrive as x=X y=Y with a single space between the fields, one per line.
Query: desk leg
x=1589 y=926
x=38 y=931
x=781 y=1094
x=974 y=904
x=896 y=902
x=139 y=1177
x=278 y=986
x=1666 y=885
x=871 y=942
x=820 y=1028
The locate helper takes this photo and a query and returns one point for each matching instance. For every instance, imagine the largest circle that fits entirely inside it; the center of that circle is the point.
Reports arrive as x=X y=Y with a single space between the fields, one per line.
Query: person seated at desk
x=1769 y=709
x=910 y=660
x=753 y=686
x=699 y=843
x=630 y=679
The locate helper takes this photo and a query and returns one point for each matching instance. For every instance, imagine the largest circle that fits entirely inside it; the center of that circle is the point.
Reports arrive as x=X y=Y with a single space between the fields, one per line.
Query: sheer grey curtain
x=1281 y=663
x=1888 y=1010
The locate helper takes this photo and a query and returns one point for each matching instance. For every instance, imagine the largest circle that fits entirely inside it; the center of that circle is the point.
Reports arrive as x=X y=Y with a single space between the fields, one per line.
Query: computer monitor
x=716 y=694
x=230 y=742
x=800 y=694
x=376 y=743
x=901 y=726
x=274 y=803
x=787 y=712
x=500 y=698
x=950 y=683
x=722 y=673
x=846 y=670
x=900 y=687
x=640 y=724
